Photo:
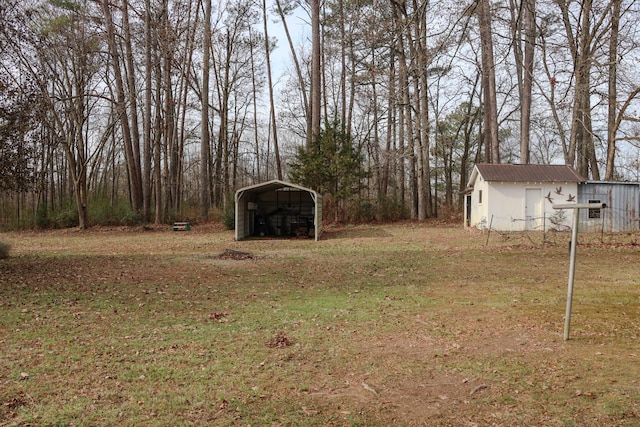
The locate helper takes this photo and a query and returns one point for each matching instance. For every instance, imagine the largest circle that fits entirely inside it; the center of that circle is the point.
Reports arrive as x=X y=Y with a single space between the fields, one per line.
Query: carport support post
x=572 y=258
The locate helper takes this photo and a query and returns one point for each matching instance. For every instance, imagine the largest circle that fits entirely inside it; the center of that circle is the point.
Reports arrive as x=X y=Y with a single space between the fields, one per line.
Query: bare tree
x=523 y=21
x=204 y=123
x=583 y=38
x=147 y=124
x=425 y=207
x=272 y=106
x=66 y=66
x=490 y=103
x=125 y=116
x=232 y=66
x=282 y=12
x=613 y=89
x=527 y=87
x=404 y=107
x=316 y=82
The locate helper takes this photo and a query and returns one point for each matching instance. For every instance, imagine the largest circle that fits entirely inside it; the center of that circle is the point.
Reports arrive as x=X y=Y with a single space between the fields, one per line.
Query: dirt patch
x=420 y=400
x=232 y=254
x=280 y=341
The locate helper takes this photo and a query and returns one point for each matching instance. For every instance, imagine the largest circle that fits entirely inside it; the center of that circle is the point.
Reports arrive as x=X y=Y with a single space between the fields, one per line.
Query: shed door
x=533 y=208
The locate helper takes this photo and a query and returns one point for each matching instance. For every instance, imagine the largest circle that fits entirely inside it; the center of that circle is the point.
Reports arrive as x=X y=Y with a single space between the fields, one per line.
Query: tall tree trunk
x=469 y=125
x=425 y=207
x=403 y=105
x=316 y=82
x=523 y=30
x=375 y=149
x=301 y=82
x=581 y=132
x=490 y=110
x=257 y=173
x=581 y=151
x=353 y=78
x=132 y=91
x=613 y=90
x=549 y=94
x=169 y=112
x=343 y=68
x=184 y=79
x=159 y=184
x=527 y=86
x=388 y=153
x=204 y=125
x=148 y=66
x=272 y=106
x=413 y=148
x=218 y=190
x=133 y=168
x=581 y=140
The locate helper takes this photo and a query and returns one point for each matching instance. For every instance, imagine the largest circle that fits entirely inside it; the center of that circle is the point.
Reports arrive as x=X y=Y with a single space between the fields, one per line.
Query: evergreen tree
x=332 y=165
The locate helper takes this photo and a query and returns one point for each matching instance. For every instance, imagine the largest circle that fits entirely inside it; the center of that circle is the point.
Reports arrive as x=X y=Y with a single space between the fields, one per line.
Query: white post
x=572 y=270
x=572 y=258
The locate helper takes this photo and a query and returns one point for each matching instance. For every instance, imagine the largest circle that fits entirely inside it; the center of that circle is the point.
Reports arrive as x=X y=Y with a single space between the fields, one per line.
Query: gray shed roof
x=528 y=173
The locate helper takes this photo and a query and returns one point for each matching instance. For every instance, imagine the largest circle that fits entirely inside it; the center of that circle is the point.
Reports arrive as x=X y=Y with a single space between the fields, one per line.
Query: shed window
x=594 y=212
x=479 y=197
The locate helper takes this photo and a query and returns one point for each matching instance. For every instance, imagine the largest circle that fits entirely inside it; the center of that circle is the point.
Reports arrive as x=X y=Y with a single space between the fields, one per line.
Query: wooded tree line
x=117 y=111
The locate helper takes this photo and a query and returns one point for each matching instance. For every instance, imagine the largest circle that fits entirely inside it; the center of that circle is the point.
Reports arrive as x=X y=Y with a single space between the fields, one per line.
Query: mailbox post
x=572 y=258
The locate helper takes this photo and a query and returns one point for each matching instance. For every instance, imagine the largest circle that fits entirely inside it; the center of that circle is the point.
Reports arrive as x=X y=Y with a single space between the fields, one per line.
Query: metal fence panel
x=622 y=200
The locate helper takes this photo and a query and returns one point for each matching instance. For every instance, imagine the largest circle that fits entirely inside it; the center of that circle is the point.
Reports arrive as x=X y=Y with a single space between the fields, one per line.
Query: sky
x=281 y=62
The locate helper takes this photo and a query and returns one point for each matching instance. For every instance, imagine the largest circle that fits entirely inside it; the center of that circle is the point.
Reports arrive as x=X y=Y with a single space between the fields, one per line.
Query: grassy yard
x=405 y=324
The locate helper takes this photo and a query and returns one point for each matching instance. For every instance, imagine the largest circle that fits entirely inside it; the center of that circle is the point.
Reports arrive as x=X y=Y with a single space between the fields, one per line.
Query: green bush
x=103 y=212
x=131 y=217
x=361 y=212
x=170 y=216
x=4 y=250
x=66 y=218
x=229 y=216
x=390 y=209
x=43 y=220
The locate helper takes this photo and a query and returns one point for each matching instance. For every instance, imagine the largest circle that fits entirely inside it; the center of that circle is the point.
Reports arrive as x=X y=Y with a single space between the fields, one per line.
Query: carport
x=278 y=209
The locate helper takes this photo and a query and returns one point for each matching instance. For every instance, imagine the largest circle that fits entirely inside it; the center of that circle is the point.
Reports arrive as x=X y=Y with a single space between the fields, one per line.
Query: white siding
x=503 y=205
x=479 y=204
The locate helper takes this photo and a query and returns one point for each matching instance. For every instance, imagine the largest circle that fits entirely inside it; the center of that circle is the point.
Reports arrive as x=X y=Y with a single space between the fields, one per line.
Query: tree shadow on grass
x=354 y=233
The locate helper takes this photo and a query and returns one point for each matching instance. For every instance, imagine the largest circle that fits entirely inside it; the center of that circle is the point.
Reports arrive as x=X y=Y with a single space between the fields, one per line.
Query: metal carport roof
x=276 y=195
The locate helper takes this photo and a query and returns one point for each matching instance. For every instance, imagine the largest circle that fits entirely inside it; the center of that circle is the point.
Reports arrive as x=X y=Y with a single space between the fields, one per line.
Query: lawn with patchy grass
x=404 y=324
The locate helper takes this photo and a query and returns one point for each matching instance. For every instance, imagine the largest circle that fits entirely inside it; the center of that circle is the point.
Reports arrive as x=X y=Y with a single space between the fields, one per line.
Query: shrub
x=131 y=217
x=66 y=218
x=43 y=220
x=4 y=250
x=361 y=212
x=392 y=209
x=102 y=211
x=229 y=216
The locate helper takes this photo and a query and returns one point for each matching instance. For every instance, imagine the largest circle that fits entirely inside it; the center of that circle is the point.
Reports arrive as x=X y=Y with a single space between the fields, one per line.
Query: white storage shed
x=509 y=197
